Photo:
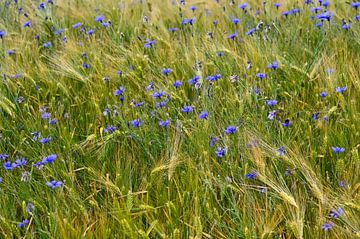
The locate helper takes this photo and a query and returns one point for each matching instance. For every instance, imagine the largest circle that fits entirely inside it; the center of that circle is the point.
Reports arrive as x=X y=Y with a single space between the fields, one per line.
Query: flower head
x=187 y=109
x=338 y=150
x=230 y=130
x=203 y=115
x=54 y=184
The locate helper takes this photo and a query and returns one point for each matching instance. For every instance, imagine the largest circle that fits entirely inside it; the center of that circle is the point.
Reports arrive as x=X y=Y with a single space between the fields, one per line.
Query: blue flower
x=4 y=156
x=77 y=25
x=49 y=159
x=194 y=80
x=2 y=34
x=220 y=152
x=230 y=130
x=324 y=16
x=177 y=84
x=277 y=5
x=235 y=21
x=53 y=121
x=8 y=165
x=261 y=76
x=281 y=151
x=119 y=91
x=110 y=129
x=338 y=150
x=47 y=44
x=41 y=6
x=166 y=71
x=213 y=141
x=149 y=43
x=243 y=6
x=250 y=32
x=336 y=213
x=54 y=184
x=19 y=162
x=187 y=109
x=341 y=89
x=164 y=123
x=23 y=224
x=323 y=94
x=251 y=175
x=274 y=65
x=232 y=36
x=327 y=226
x=355 y=5
x=27 y=24
x=287 y=123
x=173 y=29
x=90 y=32
x=193 y=8
x=203 y=115
x=99 y=18
x=158 y=95
x=10 y=52
x=271 y=115
x=271 y=103
x=136 y=123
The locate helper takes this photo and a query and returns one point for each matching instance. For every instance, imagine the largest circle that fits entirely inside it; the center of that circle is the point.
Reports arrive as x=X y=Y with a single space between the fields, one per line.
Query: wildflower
x=30 y=208
x=232 y=36
x=177 y=84
x=243 y=6
x=220 y=53
x=53 y=121
x=341 y=89
x=49 y=159
x=336 y=213
x=150 y=86
x=271 y=103
x=149 y=43
x=271 y=115
x=1 y=179
x=193 y=8
x=355 y=5
x=173 y=29
x=277 y=5
x=338 y=150
x=203 y=115
x=136 y=123
x=262 y=189
x=274 y=65
x=281 y=151
x=8 y=165
x=251 y=175
x=342 y=184
x=27 y=24
x=4 y=156
x=261 y=76
x=99 y=18
x=161 y=104
x=47 y=44
x=235 y=21
x=54 y=184
x=187 y=109
x=19 y=162
x=220 y=152
x=24 y=223
x=119 y=91
x=158 y=95
x=327 y=226
x=164 y=123
x=194 y=80
x=2 y=34
x=90 y=32
x=324 y=16
x=77 y=25
x=285 y=13
x=10 y=52
x=110 y=129
x=213 y=141
x=323 y=94
x=230 y=130
x=287 y=123
x=166 y=71
x=86 y=65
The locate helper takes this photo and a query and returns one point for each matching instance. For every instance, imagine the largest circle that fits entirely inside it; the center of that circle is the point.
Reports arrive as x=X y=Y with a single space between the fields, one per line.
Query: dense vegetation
x=174 y=119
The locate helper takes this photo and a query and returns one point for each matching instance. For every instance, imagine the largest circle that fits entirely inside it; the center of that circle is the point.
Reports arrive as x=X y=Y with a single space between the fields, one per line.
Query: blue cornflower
x=30 y=208
x=250 y=32
x=36 y=135
x=59 y=32
x=166 y=71
x=19 y=162
x=161 y=104
x=315 y=116
x=186 y=21
x=203 y=115
x=336 y=213
x=8 y=165
x=338 y=150
x=251 y=175
x=220 y=152
x=54 y=184
x=213 y=141
x=187 y=109
x=274 y=65
x=285 y=13
x=24 y=223
x=232 y=36
x=41 y=6
x=10 y=52
x=77 y=25
x=119 y=91
x=323 y=94
x=243 y=6
x=271 y=115
x=220 y=53
x=357 y=18
x=355 y=5
x=177 y=84
x=136 y=123
x=149 y=43
x=294 y=11
x=27 y=24
x=53 y=121
x=194 y=80
x=315 y=9
x=105 y=24
x=90 y=32
x=281 y=151
x=341 y=89
x=230 y=130
x=271 y=103
x=158 y=95
x=47 y=44
x=287 y=123
x=213 y=78
x=99 y=18
x=49 y=159
x=1 y=179
x=235 y=21
x=2 y=34
x=4 y=156
x=327 y=226
x=277 y=5
x=324 y=16
x=45 y=115
x=164 y=123
x=261 y=76
x=173 y=29
x=193 y=8
x=110 y=129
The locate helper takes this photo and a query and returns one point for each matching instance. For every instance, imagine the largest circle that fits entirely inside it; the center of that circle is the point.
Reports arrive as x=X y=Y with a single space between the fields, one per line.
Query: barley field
x=179 y=119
